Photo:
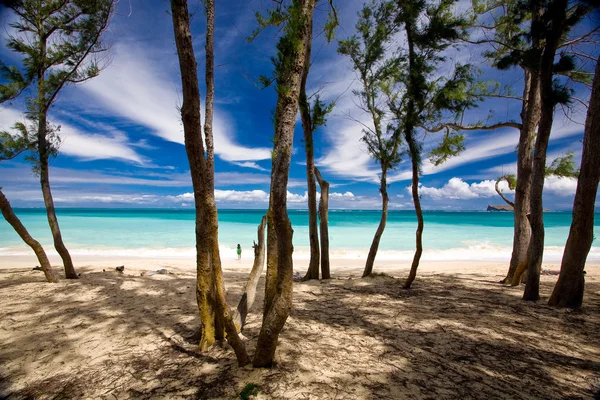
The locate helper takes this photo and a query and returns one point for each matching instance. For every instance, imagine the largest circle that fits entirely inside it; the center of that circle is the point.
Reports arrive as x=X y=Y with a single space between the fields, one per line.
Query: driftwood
x=249 y=294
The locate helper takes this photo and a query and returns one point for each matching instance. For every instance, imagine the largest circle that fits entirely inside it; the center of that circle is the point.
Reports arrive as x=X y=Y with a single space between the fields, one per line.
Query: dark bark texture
x=286 y=110
x=381 y=227
x=37 y=248
x=324 y=224
x=308 y=129
x=557 y=12
x=569 y=288
x=215 y=313
x=420 y=224
x=530 y=116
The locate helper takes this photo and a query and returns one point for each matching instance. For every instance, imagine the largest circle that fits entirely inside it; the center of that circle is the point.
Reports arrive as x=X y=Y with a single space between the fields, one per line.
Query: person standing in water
x=239 y=252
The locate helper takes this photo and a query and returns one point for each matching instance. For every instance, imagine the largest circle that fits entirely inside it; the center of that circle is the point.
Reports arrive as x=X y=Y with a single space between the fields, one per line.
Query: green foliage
x=451 y=145
x=430 y=28
x=319 y=111
x=249 y=390
x=563 y=166
x=13 y=145
x=510 y=179
x=59 y=38
x=367 y=51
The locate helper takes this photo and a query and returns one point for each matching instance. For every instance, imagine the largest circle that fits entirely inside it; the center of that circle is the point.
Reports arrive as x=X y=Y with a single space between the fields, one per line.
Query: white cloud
x=250 y=164
x=347 y=195
x=134 y=88
x=560 y=186
x=87 y=146
x=457 y=189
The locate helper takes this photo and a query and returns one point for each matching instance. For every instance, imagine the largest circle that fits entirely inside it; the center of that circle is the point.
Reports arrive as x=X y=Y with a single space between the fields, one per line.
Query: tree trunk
x=507 y=201
x=37 y=248
x=249 y=293
x=530 y=116
x=59 y=245
x=535 y=253
x=271 y=275
x=307 y=126
x=44 y=150
x=214 y=311
x=419 y=233
x=569 y=288
x=324 y=225
x=285 y=116
x=377 y=238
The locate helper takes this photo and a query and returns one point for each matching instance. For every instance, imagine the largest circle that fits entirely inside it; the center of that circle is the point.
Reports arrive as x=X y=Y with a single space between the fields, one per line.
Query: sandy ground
x=456 y=335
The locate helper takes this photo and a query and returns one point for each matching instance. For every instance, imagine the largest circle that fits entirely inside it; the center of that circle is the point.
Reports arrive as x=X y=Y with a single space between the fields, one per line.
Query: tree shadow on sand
x=112 y=335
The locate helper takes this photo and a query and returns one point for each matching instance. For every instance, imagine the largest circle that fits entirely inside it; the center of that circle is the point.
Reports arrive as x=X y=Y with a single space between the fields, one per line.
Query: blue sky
x=123 y=140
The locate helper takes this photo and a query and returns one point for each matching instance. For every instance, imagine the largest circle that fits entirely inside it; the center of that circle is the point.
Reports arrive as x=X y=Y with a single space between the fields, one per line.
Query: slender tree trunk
x=324 y=225
x=249 y=293
x=59 y=245
x=307 y=126
x=285 y=117
x=530 y=116
x=507 y=201
x=557 y=10
x=569 y=288
x=37 y=248
x=44 y=154
x=215 y=313
x=419 y=233
x=377 y=238
x=272 y=272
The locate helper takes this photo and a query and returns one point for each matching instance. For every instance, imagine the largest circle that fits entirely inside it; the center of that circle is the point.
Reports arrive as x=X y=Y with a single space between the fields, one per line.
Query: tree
x=215 y=313
x=59 y=42
x=507 y=29
x=552 y=20
x=289 y=69
x=418 y=97
x=563 y=166
x=313 y=116
x=367 y=52
x=324 y=224
x=511 y=180
x=10 y=147
x=249 y=294
x=568 y=291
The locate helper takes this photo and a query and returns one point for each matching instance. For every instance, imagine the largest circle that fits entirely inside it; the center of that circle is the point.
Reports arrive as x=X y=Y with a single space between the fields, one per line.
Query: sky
x=122 y=138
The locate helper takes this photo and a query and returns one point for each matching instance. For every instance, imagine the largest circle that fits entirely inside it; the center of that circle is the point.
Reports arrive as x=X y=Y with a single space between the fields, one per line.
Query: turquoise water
x=166 y=232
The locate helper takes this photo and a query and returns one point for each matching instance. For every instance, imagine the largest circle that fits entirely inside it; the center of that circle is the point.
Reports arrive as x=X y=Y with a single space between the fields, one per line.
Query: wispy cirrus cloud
x=136 y=89
x=86 y=146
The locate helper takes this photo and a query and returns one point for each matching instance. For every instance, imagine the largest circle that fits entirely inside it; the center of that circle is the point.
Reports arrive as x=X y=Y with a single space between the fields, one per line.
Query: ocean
x=169 y=233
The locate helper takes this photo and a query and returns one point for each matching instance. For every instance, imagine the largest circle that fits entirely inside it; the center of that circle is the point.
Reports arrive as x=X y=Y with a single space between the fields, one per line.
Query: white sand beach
x=456 y=334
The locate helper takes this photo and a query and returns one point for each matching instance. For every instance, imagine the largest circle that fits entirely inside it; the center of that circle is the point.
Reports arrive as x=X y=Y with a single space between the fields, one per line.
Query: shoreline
x=339 y=266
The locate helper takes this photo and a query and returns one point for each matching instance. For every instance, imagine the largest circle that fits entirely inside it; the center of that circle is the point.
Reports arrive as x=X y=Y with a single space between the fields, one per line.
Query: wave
x=473 y=252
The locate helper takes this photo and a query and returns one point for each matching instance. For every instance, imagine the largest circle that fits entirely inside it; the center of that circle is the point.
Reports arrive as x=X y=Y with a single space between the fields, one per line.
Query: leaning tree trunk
x=535 y=252
x=324 y=225
x=37 y=248
x=307 y=126
x=377 y=238
x=419 y=233
x=530 y=116
x=285 y=117
x=215 y=313
x=507 y=201
x=249 y=293
x=569 y=288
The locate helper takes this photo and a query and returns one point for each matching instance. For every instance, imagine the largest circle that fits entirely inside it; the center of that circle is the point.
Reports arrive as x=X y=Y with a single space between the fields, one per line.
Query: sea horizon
x=169 y=233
